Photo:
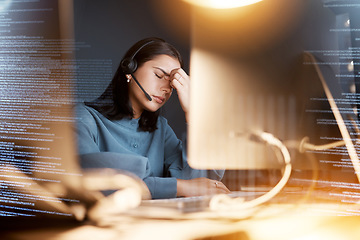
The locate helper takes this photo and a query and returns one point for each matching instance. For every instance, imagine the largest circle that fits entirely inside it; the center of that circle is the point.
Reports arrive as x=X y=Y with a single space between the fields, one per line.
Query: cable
x=224 y=202
x=305 y=145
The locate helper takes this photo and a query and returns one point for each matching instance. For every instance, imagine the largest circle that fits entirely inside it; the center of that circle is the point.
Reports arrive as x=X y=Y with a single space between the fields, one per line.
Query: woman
x=122 y=128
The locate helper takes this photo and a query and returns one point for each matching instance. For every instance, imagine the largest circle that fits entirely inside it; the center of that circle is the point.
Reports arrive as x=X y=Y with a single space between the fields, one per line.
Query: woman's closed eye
x=162 y=76
x=158 y=75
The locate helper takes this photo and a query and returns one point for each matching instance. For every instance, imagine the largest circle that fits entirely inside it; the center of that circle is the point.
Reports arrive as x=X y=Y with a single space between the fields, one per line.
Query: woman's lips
x=158 y=99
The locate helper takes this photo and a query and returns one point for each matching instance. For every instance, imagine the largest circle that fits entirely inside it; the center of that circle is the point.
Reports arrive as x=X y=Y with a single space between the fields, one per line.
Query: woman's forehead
x=164 y=63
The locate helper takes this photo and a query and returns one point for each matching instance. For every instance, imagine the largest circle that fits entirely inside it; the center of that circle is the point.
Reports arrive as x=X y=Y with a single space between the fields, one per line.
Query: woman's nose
x=166 y=87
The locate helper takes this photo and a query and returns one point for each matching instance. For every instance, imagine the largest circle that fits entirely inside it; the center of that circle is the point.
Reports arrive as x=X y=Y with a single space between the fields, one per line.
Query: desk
x=276 y=221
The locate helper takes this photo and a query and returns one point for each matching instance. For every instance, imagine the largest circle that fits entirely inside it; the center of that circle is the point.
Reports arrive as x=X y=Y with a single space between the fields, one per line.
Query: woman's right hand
x=181 y=82
x=199 y=187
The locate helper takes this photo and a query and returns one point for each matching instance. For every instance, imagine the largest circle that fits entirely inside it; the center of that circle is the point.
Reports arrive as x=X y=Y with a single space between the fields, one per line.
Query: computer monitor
x=259 y=69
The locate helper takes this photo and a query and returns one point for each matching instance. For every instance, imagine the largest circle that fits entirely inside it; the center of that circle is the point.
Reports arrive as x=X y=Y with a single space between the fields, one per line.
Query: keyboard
x=195 y=204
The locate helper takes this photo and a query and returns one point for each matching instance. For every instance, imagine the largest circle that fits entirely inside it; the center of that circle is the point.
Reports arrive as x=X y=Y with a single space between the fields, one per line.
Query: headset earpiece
x=128 y=65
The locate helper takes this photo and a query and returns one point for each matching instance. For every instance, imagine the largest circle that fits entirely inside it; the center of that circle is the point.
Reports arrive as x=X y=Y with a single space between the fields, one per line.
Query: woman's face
x=154 y=77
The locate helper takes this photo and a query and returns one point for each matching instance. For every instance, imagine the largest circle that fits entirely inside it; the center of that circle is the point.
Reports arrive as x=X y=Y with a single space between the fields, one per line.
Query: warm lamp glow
x=221 y=4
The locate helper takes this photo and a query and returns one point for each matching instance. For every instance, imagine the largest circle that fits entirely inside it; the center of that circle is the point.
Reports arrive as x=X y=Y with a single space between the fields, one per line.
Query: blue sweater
x=158 y=158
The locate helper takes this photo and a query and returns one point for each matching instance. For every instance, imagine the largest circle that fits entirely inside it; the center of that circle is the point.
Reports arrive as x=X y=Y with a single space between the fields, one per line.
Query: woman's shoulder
x=162 y=122
x=81 y=109
x=85 y=113
x=163 y=125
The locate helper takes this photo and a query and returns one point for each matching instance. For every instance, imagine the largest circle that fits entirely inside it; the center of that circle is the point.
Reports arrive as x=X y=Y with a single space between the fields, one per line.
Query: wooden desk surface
x=276 y=221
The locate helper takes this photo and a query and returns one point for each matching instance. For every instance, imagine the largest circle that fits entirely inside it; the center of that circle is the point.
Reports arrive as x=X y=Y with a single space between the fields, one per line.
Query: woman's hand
x=199 y=187
x=181 y=82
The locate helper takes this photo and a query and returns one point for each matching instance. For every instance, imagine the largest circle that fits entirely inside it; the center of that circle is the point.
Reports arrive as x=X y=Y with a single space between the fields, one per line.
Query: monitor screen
x=260 y=69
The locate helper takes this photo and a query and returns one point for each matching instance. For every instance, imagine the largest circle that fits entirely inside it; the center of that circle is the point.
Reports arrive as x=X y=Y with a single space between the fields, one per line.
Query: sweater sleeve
x=138 y=165
x=159 y=187
x=162 y=187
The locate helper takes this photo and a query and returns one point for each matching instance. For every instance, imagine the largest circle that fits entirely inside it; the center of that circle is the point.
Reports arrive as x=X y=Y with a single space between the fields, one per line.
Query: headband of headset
x=129 y=64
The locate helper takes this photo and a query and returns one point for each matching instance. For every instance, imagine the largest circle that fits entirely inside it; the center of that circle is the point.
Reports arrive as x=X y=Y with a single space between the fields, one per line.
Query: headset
x=129 y=65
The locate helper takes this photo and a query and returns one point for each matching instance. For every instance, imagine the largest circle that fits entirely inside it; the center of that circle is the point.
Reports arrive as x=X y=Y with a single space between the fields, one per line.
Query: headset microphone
x=146 y=94
x=129 y=66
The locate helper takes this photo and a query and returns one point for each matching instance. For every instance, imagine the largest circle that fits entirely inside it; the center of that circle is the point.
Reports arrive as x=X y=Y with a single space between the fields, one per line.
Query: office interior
x=289 y=69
